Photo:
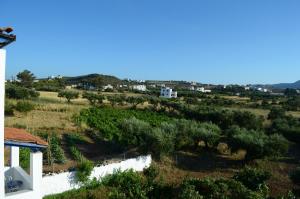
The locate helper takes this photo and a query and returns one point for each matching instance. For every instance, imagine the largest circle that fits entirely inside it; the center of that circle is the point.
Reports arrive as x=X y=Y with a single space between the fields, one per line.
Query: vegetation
x=133 y=185
x=208 y=137
x=69 y=95
x=26 y=78
x=84 y=170
x=14 y=91
x=24 y=106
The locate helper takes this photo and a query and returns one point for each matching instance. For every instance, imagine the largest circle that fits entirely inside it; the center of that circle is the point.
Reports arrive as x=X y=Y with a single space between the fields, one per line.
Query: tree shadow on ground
x=206 y=161
x=100 y=150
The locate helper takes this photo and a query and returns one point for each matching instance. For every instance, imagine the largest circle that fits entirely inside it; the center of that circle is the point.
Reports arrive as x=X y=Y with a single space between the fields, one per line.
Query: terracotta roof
x=20 y=135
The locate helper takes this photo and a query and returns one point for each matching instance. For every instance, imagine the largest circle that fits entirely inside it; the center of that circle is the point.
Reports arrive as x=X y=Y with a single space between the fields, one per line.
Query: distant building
x=191 y=88
x=203 y=90
x=139 y=87
x=264 y=90
x=108 y=86
x=247 y=88
x=168 y=93
x=193 y=83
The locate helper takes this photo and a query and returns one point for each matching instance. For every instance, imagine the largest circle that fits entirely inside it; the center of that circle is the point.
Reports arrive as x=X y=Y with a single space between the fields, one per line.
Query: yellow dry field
x=53 y=96
x=264 y=112
x=237 y=98
x=48 y=116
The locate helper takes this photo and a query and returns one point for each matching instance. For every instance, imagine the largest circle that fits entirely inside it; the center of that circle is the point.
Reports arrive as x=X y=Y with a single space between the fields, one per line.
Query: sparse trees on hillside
x=69 y=95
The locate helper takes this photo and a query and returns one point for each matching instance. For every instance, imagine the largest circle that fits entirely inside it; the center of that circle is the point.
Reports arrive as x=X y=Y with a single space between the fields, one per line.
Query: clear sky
x=210 y=41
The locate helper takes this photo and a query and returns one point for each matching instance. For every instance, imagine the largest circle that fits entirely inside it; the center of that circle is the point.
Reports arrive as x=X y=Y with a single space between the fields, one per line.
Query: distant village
x=167 y=89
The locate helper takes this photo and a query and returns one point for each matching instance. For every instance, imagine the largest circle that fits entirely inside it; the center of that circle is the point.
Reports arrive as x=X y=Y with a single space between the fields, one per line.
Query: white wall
x=2 y=90
x=62 y=182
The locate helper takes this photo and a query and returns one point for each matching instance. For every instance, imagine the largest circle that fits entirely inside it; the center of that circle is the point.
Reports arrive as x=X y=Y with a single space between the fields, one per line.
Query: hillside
x=295 y=85
x=94 y=79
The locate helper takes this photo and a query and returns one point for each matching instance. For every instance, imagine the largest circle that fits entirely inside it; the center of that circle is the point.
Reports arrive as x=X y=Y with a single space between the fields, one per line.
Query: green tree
x=252 y=178
x=69 y=95
x=276 y=112
x=26 y=78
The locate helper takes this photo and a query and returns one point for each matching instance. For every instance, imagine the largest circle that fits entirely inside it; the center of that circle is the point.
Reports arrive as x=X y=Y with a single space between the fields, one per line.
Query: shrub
x=151 y=173
x=9 y=109
x=76 y=154
x=276 y=145
x=276 y=113
x=24 y=106
x=25 y=158
x=218 y=189
x=55 y=152
x=257 y=143
x=93 y=98
x=69 y=95
x=252 y=178
x=189 y=192
x=134 y=130
x=18 y=92
x=128 y=183
x=84 y=170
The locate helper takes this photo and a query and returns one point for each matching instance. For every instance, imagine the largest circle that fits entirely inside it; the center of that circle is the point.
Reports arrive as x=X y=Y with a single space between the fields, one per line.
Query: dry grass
x=236 y=98
x=47 y=116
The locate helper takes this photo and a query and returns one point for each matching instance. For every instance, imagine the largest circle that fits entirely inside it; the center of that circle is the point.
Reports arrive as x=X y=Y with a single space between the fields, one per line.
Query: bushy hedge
x=257 y=143
x=252 y=178
x=18 y=92
x=9 y=109
x=222 y=117
x=24 y=106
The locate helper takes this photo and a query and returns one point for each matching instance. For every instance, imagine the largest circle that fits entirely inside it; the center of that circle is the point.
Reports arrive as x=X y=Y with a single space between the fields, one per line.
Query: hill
x=295 y=85
x=94 y=79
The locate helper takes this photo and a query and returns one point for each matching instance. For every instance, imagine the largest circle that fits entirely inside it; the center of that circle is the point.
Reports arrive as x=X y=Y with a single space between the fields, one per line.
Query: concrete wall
x=62 y=182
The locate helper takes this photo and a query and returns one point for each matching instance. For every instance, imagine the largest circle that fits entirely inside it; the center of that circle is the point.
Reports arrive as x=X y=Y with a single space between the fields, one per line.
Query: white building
x=108 y=86
x=168 y=93
x=203 y=90
x=140 y=87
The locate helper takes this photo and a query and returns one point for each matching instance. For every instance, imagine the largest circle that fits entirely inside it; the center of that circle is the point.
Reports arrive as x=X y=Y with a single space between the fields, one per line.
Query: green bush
x=25 y=158
x=218 y=189
x=129 y=184
x=76 y=154
x=9 y=109
x=55 y=151
x=252 y=178
x=257 y=143
x=24 y=106
x=18 y=92
x=68 y=94
x=84 y=170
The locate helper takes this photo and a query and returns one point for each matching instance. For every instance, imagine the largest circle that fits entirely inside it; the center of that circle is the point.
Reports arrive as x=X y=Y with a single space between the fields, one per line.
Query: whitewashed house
x=203 y=90
x=108 y=86
x=15 y=183
x=168 y=93
x=139 y=87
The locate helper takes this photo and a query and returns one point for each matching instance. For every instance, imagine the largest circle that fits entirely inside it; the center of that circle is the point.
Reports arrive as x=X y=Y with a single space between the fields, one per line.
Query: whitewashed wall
x=62 y=182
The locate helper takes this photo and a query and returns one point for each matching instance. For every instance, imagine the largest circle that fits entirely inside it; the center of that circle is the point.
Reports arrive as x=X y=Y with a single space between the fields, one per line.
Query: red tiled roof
x=20 y=135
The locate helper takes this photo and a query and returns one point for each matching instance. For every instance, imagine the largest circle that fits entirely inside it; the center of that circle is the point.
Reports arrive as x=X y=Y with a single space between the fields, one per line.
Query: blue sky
x=210 y=41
